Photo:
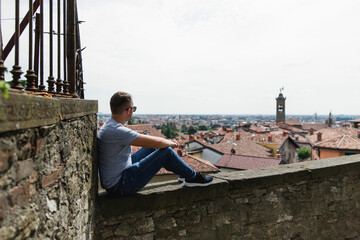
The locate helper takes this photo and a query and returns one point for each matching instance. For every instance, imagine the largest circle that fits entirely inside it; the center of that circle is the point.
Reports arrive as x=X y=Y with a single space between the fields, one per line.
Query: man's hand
x=174 y=144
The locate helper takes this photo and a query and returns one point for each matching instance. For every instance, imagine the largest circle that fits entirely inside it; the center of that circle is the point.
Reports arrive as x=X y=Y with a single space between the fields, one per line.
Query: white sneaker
x=181 y=179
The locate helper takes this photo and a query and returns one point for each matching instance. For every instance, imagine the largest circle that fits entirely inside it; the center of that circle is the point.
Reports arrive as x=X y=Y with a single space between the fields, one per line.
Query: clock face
x=281 y=108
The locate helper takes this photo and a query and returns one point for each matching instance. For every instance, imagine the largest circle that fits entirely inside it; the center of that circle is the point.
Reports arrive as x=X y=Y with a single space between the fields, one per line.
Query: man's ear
x=128 y=111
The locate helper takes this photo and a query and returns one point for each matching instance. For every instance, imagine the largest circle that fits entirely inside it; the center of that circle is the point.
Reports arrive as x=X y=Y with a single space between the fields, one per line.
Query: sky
x=223 y=56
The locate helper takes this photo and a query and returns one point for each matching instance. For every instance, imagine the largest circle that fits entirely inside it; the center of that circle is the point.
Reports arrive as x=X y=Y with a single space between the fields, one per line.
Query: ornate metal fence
x=69 y=75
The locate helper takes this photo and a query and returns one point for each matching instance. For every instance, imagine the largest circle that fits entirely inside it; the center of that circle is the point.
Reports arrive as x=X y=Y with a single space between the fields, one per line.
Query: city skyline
x=220 y=57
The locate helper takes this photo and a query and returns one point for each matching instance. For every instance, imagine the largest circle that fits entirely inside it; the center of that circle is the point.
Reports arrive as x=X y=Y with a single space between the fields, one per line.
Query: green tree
x=131 y=121
x=303 y=153
x=168 y=131
x=184 y=129
x=203 y=128
x=192 y=130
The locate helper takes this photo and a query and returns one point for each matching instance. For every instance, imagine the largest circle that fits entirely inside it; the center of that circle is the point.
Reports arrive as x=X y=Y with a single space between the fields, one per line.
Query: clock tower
x=280 y=108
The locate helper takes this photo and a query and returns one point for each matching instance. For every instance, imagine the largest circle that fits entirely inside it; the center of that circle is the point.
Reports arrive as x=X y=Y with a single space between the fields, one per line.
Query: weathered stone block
x=4 y=161
x=106 y=233
x=182 y=233
x=149 y=236
x=166 y=224
x=179 y=214
x=7 y=233
x=23 y=169
x=51 y=178
x=20 y=194
x=159 y=213
x=34 y=176
x=145 y=225
x=3 y=207
x=123 y=230
x=39 y=145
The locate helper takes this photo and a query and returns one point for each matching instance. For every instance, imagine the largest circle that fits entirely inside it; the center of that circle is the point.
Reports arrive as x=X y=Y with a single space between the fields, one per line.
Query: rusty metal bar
x=30 y=75
x=51 y=81
x=79 y=70
x=2 y=66
x=58 y=80
x=23 y=24
x=16 y=71
x=72 y=83
x=41 y=86
x=71 y=46
x=37 y=48
x=65 y=83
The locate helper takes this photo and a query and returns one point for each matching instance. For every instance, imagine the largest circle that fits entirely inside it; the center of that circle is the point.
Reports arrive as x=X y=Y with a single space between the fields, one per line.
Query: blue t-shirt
x=114 y=151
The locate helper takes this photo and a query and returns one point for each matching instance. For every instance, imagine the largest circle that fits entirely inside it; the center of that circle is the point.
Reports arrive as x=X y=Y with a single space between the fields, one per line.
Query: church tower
x=280 y=108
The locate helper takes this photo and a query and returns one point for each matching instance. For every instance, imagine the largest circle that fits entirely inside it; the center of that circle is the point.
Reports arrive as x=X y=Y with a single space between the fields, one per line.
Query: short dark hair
x=119 y=102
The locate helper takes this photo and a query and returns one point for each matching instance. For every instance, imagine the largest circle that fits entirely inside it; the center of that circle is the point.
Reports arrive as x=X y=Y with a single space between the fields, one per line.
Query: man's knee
x=168 y=151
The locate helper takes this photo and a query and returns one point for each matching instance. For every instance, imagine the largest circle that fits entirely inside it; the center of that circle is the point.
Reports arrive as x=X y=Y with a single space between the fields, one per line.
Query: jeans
x=146 y=162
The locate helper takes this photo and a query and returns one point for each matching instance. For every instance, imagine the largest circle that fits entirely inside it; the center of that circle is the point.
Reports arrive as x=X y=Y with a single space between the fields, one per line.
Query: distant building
x=214 y=152
x=293 y=122
x=355 y=123
x=330 y=121
x=335 y=142
x=280 y=108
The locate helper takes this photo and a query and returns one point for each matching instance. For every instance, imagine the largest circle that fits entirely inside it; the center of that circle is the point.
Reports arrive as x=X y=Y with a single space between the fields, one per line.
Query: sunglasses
x=133 y=108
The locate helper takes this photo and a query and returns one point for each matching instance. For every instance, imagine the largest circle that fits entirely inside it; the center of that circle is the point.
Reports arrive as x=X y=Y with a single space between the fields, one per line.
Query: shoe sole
x=181 y=179
x=196 y=184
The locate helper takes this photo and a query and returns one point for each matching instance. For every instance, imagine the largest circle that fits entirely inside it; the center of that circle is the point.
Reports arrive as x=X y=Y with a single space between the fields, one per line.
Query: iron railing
x=69 y=76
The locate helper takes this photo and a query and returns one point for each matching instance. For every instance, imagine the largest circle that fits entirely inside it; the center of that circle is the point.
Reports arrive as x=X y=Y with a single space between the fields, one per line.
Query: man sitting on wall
x=124 y=174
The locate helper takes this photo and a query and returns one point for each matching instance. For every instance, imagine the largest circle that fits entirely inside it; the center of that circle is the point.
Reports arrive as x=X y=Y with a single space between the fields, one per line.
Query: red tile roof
x=259 y=129
x=146 y=129
x=296 y=130
x=355 y=120
x=337 y=138
x=246 y=162
x=299 y=138
x=293 y=121
x=279 y=137
x=315 y=126
x=242 y=146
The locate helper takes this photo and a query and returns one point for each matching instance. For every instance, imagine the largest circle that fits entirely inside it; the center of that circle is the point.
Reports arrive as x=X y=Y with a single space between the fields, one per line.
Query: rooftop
x=146 y=129
x=236 y=161
x=337 y=138
x=243 y=147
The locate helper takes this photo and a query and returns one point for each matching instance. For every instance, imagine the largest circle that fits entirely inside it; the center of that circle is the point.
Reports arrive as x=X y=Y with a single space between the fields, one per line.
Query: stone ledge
x=172 y=193
x=160 y=195
x=22 y=111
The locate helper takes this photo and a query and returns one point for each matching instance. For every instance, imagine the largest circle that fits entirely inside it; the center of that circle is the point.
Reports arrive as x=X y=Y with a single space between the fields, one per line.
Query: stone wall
x=48 y=179
x=310 y=200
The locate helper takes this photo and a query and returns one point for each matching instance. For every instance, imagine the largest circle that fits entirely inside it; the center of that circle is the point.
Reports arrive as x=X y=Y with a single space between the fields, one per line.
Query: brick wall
x=47 y=167
x=310 y=200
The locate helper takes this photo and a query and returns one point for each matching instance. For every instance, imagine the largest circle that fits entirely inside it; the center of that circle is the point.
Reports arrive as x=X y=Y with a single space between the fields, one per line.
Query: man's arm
x=153 y=142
